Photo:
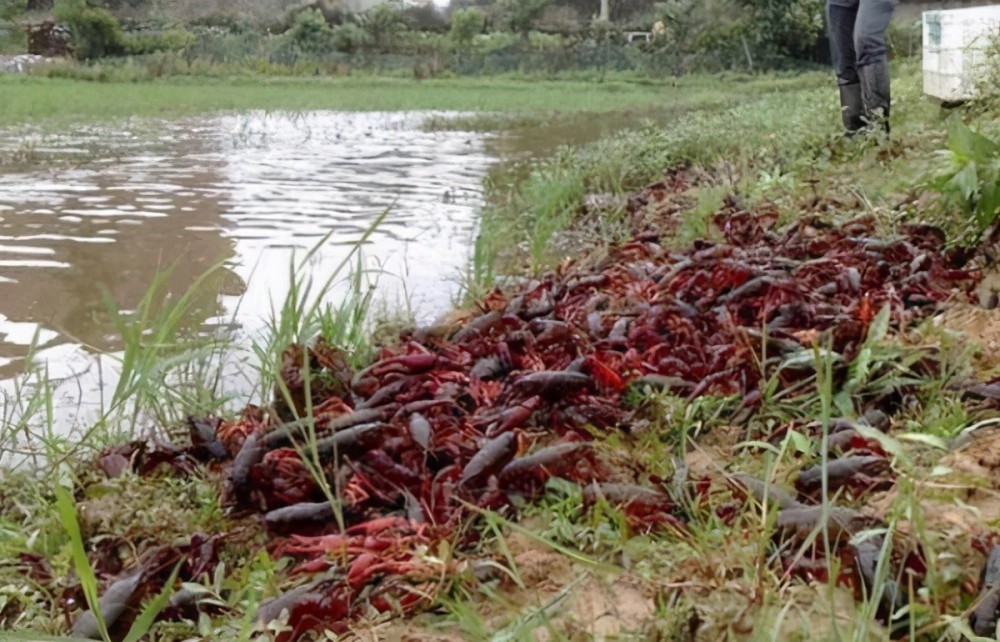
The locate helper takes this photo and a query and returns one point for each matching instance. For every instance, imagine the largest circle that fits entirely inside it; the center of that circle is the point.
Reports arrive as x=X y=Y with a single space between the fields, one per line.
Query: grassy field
x=565 y=568
x=42 y=100
x=783 y=147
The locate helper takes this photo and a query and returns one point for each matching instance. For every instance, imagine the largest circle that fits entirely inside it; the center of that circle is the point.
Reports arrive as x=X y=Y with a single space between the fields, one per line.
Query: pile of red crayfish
x=480 y=415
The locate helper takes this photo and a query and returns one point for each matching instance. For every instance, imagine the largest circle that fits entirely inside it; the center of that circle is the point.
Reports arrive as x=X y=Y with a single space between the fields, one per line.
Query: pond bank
x=729 y=320
x=117 y=201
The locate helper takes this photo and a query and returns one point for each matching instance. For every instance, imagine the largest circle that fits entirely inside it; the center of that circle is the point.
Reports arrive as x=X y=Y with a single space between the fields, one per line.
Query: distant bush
x=642 y=21
x=13 y=41
x=523 y=14
x=95 y=32
x=10 y=9
x=311 y=34
x=465 y=24
x=331 y=11
x=499 y=42
x=424 y=43
x=427 y=17
x=604 y=31
x=228 y=22
x=12 y=37
x=216 y=46
x=349 y=38
x=177 y=39
x=713 y=34
x=384 y=24
x=787 y=27
x=546 y=42
x=563 y=19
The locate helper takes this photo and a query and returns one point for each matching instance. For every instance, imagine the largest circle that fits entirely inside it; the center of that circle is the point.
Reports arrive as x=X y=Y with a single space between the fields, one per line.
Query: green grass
x=774 y=121
x=780 y=143
x=44 y=100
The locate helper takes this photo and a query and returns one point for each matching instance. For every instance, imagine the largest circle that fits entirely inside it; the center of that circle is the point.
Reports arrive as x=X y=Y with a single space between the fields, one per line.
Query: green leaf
x=859 y=369
x=960 y=138
x=801 y=443
x=989 y=202
x=923 y=438
x=844 y=403
x=966 y=181
x=88 y=580
x=763 y=445
x=961 y=625
x=148 y=616
x=808 y=358
x=983 y=149
x=879 y=327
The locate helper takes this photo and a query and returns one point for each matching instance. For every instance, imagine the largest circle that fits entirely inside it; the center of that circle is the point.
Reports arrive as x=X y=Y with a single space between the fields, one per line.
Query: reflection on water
x=102 y=211
x=292 y=182
x=248 y=190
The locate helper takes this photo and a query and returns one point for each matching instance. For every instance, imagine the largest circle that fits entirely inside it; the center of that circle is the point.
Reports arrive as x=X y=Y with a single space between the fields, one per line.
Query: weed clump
x=95 y=32
x=969 y=184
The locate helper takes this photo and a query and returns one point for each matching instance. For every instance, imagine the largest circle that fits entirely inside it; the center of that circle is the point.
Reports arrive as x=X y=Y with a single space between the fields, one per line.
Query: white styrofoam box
x=954 y=49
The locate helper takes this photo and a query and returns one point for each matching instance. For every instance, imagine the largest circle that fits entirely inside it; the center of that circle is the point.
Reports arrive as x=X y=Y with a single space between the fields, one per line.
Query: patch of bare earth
x=573 y=602
x=975 y=481
x=595 y=608
x=976 y=326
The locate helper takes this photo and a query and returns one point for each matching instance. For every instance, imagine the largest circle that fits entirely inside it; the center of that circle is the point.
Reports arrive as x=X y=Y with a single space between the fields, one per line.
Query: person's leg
x=841 y=18
x=873 y=58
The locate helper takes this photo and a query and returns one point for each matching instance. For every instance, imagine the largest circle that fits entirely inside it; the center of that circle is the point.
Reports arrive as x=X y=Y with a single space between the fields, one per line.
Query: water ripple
x=116 y=207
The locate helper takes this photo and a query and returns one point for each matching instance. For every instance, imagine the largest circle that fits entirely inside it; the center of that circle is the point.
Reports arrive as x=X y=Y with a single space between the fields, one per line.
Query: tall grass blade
x=88 y=580
x=824 y=384
x=154 y=347
x=140 y=628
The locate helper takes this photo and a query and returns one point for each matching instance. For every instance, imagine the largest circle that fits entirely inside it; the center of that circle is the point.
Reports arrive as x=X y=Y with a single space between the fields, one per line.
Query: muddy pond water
x=91 y=213
x=98 y=213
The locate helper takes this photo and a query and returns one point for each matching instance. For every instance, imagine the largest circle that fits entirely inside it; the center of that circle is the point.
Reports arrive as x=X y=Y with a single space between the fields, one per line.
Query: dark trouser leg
x=842 y=17
x=872 y=58
x=852 y=107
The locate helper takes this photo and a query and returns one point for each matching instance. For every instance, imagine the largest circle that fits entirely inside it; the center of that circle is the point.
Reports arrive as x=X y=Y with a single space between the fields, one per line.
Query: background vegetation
x=499 y=36
x=770 y=140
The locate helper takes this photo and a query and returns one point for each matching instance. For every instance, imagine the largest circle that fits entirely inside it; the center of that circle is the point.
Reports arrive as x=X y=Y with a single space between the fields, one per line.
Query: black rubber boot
x=875 y=94
x=851 y=108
